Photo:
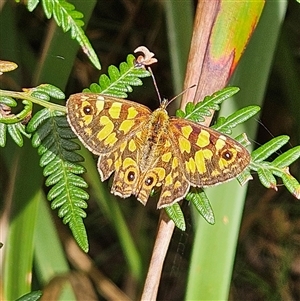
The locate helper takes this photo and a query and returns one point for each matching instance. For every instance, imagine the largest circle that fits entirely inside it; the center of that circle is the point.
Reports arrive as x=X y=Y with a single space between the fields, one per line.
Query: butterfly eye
x=87 y=110
x=131 y=176
x=227 y=155
x=149 y=181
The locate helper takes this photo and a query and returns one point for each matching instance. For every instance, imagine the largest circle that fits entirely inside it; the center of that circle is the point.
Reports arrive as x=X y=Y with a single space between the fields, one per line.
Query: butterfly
x=150 y=150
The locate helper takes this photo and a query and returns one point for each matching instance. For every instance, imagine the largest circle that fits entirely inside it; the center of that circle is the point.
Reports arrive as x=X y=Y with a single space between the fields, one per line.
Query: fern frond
x=195 y=112
x=13 y=123
x=40 y=95
x=68 y=18
x=279 y=167
x=225 y=125
x=51 y=135
x=119 y=82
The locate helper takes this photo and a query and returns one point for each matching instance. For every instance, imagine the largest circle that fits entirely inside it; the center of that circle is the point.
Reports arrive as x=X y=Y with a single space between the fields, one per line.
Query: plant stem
x=162 y=242
x=25 y=95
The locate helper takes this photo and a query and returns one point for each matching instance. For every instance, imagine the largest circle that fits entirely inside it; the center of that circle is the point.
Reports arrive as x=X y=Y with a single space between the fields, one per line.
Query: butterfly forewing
x=208 y=157
x=103 y=122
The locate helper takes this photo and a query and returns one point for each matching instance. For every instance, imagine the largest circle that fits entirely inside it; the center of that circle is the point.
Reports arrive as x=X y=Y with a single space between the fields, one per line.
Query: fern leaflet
x=119 y=82
x=68 y=18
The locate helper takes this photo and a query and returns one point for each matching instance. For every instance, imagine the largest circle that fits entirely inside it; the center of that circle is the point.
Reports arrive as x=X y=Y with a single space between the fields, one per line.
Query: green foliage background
x=121 y=232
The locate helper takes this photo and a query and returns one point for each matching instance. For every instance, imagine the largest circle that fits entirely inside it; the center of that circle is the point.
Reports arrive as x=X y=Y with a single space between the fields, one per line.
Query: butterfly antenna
x=155 y=85
x=166 y=103
x=180 y=94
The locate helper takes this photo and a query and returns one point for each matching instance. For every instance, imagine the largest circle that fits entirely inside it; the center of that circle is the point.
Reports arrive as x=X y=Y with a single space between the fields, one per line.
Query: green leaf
x=266 y=178
x=291 y=184
x=175 y=214
x=69 y=145
x=9 y=101
x=225 y=125
x=120 y=81
x=201 y=202
x=43 y=131
x=3 y=128
x=54 y=177
x=242 y=139
x=32 y=4
x=50 y=90
x=16 y=131
x=32 y=296
x=279 y=167
x=244 y=177
x=53 y=91
x=44 y=93
x=78 y=230
x=203 y=108
x=269 y=148
x=48 y=156
x=48 y=8
x=41 y=95
x=38 y=119
x=287 y=158
x=113 y=73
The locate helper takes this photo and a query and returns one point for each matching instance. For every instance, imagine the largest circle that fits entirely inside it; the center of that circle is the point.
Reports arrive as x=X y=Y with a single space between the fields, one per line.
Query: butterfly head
x=164 y=103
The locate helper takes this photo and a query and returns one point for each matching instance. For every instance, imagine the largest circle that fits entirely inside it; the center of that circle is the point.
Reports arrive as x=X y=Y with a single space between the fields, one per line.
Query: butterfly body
x=146 y=149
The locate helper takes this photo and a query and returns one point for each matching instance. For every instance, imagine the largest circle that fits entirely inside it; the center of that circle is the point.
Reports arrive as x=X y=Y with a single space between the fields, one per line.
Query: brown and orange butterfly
x=146 y=149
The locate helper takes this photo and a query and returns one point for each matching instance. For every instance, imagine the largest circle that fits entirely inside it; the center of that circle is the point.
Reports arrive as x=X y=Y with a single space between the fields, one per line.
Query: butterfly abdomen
x=154 y=138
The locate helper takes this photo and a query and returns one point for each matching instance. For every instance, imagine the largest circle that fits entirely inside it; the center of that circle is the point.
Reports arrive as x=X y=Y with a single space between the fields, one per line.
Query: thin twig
x=162 y=242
